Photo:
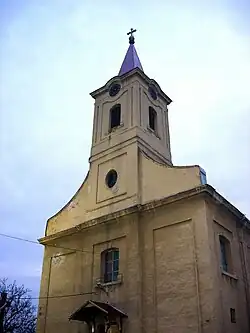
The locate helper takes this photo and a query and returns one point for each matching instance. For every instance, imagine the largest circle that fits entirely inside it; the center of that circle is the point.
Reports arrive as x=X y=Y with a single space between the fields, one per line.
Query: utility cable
x=46 y=297
x=37 y=243
x=60 y=247
x=59 y=296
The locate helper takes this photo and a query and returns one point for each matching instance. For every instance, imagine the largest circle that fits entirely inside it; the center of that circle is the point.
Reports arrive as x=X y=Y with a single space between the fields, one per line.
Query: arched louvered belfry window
x=115 y=116
x=110 y=265
x=152 y=115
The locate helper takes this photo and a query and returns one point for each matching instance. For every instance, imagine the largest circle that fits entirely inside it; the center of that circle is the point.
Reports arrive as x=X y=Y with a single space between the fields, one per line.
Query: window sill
x=231 y=276
x=116 y=128
x=102 y=284
x=153 y=132
x=107 y=284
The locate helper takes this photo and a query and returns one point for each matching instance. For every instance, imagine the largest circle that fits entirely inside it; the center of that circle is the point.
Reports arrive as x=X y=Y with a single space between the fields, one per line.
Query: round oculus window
x=114 y=89
x=111 y=178
x=152 y=93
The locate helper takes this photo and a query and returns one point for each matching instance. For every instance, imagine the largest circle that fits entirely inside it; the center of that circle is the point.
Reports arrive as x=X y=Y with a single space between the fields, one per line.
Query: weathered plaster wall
x=229 y=289
x=159 y=266
x=138 y=182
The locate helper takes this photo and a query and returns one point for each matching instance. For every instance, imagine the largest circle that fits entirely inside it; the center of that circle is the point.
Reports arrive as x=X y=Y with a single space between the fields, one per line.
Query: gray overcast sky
x=54 y=52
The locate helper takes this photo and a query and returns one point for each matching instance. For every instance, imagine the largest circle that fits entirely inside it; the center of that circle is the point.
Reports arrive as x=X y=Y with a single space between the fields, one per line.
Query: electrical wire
x=60 y=247
x=18 y=238
x=37 y=243
x=55 y=246
x=59 y=296
x=48 y=297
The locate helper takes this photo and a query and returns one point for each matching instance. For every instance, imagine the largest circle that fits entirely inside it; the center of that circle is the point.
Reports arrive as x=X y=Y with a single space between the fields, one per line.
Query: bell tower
x=131 y=110
x=130 y=149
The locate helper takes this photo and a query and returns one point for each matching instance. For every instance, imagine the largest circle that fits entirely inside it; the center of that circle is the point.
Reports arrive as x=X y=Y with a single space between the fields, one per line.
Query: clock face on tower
x=152 y=93
x=114 y=89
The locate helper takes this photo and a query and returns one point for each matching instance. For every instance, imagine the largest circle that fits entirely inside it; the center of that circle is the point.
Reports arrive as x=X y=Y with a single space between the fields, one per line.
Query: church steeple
x=131 y=110
x=131 y=60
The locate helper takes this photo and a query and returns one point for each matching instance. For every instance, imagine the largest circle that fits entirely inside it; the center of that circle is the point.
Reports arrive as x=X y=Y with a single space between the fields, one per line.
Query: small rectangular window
x=232 y=315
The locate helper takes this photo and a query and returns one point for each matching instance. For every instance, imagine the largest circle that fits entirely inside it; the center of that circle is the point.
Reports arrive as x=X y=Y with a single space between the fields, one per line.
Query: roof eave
x=206 y=189
x=137 y=71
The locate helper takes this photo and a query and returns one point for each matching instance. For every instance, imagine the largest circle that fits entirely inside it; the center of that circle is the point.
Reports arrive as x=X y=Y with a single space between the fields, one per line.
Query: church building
x=144 y=246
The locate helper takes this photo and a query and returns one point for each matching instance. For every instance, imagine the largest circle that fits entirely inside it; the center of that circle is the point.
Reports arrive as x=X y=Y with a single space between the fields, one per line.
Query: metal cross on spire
x=131 y=60
x=131 y=37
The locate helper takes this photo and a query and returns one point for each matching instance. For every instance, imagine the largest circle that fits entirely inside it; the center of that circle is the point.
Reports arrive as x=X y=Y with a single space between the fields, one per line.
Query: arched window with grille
x=110 y=265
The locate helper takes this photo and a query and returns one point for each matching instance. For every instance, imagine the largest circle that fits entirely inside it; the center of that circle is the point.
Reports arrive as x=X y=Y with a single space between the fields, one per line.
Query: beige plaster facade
x=165 y=221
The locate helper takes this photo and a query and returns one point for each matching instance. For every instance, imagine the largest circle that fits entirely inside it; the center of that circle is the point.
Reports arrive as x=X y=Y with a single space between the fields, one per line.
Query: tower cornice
x=135 y=71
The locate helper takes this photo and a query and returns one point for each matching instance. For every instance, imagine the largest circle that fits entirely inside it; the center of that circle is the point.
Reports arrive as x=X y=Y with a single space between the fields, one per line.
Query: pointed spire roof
x=131 y=60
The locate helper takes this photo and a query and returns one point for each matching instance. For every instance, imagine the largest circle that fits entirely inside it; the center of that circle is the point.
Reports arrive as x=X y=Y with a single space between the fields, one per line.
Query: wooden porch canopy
x=93 y=309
